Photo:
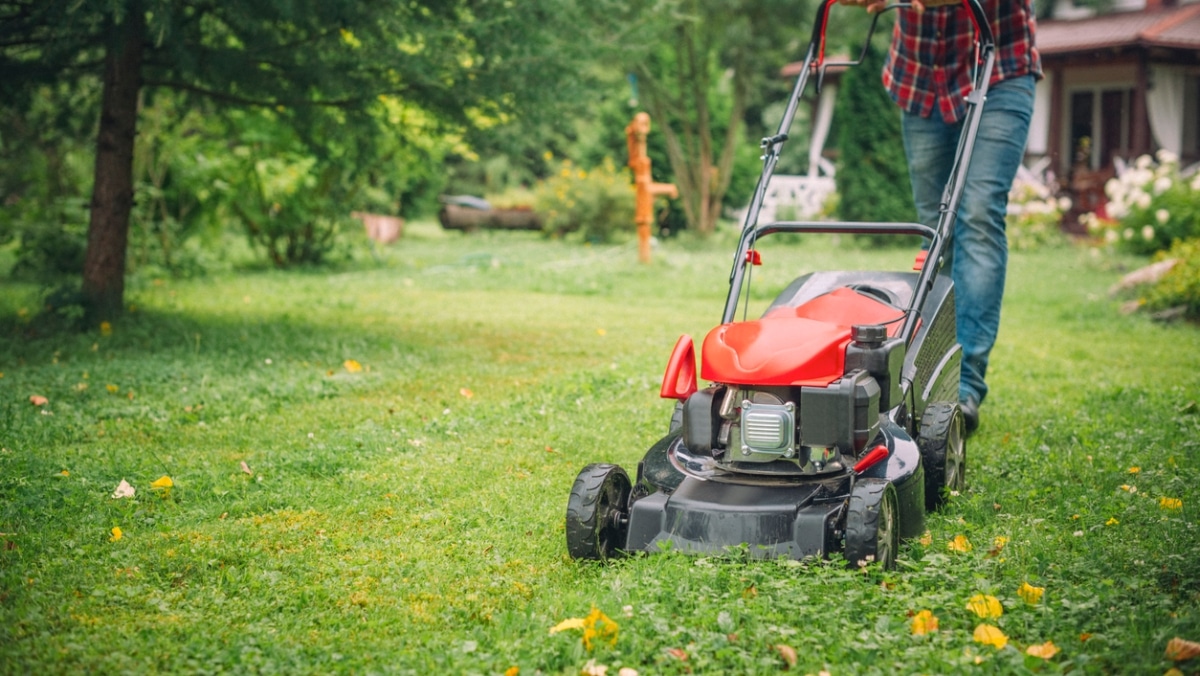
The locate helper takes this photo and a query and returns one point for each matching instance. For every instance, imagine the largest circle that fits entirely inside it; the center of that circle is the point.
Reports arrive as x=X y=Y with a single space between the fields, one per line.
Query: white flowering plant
x=1034 y=215
x=1151 y=206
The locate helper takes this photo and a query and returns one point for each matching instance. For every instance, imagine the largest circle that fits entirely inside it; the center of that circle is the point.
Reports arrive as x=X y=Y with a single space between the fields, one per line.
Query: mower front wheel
x=597 y=512
x=872 y=524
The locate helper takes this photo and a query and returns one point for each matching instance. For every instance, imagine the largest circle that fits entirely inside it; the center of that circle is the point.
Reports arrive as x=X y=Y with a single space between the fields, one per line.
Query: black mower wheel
x=943 y=444
x=676 y=418
x=872 y=524
x=597 y=512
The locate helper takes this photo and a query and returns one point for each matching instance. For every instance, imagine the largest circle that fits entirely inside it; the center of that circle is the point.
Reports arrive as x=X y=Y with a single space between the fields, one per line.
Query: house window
x=1100 y=126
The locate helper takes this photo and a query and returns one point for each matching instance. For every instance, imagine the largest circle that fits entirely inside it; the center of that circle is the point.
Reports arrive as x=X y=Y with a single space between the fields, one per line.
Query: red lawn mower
x=832 y=421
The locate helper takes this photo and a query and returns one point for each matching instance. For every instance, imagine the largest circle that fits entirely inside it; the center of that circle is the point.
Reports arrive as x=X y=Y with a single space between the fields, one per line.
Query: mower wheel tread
x=872 y=524
x=596 y=512
x=943 y=445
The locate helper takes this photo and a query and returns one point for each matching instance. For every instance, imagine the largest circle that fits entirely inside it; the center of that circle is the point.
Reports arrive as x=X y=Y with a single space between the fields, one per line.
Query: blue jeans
x=979 y=253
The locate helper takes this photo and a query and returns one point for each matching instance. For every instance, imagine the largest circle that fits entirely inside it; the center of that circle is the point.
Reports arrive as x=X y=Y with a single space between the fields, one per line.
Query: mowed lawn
x=369 y=471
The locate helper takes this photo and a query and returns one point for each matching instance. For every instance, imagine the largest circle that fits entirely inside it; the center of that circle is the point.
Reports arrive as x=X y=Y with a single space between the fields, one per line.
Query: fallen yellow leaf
x=960 y=543
x=597 y=625
x=1030 y=594
x=466 y=393
x=924 y=622
x=572 y=623
x=1045 y=651
x=116 y=534
x=162 y=483
x=352 y=366
x=989 y=635
x=985 y=606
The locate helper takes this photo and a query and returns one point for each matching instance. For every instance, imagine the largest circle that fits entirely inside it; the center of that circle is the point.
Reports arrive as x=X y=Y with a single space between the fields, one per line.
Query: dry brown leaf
x=124 y=490
x=678 y=653
x=38 y=400
x=787 y=652
x=246 y=468
x=1179 y=649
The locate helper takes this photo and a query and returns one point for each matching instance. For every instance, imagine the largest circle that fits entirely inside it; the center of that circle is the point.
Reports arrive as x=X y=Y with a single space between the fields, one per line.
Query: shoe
x=970 y=411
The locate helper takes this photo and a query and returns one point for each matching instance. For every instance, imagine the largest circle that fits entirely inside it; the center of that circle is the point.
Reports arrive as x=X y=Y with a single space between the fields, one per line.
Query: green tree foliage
x=321 y=66
x=708 y=62
x=45 y=178
x=872 y=175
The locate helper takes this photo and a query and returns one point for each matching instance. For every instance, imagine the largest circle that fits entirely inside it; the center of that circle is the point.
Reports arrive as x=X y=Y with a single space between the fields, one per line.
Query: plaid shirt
x=930 y=62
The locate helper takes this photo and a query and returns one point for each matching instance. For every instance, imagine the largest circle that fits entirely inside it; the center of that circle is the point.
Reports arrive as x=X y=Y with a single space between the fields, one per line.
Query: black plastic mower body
x=803 y=516
x=798 y=519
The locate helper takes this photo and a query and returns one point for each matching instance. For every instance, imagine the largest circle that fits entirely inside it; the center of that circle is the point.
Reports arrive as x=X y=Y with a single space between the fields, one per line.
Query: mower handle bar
x=837 y=228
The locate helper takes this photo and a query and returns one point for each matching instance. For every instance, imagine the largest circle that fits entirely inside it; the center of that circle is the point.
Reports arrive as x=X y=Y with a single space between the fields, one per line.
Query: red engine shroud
x=800 y=346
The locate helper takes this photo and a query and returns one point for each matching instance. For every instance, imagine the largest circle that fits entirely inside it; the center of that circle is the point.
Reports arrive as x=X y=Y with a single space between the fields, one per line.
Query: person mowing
x=928 y=74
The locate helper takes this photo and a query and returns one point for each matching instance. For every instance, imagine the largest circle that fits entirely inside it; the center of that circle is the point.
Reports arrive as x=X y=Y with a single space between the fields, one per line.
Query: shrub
x=1034 y=215
x=1180 y=286
x=872 y=175
x=597 y=204
x=1151 y=206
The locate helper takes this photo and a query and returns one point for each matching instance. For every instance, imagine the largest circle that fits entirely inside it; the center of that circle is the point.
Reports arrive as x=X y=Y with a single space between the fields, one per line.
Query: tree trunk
x=112 y=192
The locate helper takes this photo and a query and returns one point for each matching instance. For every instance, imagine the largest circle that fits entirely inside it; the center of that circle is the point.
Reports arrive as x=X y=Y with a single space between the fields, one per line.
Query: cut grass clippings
x=369 y=471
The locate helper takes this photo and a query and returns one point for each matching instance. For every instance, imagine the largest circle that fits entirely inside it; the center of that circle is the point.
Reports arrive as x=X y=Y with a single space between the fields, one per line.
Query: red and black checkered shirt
x=930 y=62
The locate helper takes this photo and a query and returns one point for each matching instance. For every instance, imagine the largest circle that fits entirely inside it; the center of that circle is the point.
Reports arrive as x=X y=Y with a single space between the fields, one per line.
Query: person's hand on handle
x=874 y=6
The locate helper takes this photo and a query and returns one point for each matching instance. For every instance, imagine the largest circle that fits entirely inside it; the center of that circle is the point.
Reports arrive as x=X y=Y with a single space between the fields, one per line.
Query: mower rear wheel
x=597 y=512
x=872 y=524
x=943 y=444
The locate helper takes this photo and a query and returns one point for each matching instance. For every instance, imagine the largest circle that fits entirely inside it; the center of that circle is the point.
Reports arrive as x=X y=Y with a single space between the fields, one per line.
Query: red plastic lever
x=919 y=263
x=878 y=453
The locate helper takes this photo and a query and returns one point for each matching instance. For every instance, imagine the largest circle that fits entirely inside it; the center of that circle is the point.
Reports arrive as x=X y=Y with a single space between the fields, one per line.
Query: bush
x=1034 y=216
x=1151 y=206
x=598 y=204
x=1180 y=286
x=872 y=175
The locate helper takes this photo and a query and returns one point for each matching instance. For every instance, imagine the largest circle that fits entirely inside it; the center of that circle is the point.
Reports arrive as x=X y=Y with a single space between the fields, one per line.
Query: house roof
x=1170 y=27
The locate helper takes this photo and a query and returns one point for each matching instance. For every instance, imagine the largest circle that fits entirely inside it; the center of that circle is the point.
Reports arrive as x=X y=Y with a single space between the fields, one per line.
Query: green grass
x=408 y=518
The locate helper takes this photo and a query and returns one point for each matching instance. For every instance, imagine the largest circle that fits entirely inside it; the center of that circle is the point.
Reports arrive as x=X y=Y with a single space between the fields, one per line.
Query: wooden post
x=645 y=187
